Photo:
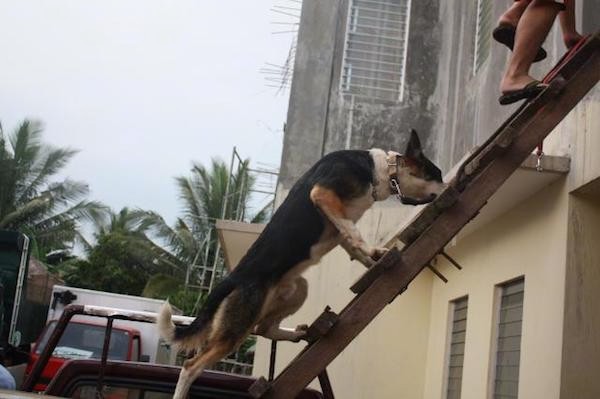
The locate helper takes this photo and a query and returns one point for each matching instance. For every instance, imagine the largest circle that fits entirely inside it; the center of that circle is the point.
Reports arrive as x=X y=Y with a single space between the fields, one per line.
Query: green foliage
x=122 y=259
x=111 y=267
x=186 y=301
x=31 y=201
x=161 y=286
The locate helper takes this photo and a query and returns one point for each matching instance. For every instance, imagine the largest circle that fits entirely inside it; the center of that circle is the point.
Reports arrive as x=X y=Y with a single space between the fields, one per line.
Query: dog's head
x=415 y=178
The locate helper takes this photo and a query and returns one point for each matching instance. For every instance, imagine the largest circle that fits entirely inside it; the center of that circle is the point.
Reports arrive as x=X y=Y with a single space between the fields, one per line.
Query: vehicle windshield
x=85 y=341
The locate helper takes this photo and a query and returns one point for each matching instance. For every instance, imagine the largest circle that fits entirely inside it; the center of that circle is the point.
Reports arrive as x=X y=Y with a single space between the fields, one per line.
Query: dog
x=318 y=214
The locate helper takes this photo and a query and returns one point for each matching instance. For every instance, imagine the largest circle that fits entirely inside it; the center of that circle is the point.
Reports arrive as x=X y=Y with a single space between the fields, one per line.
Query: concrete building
x=522 y=319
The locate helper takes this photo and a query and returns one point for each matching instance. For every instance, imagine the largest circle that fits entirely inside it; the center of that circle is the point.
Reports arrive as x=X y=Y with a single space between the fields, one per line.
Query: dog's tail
x=178 y=334
x=166 y=327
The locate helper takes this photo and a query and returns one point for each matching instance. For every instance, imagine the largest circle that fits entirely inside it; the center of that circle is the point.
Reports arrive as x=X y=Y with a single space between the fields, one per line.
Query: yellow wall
x=581 y=343
x=528 y=241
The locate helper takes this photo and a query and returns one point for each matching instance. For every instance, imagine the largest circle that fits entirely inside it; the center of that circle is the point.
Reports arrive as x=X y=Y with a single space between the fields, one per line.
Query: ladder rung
x=392 y=258
x=437 y=273
x=321 y=325
x=424 y=219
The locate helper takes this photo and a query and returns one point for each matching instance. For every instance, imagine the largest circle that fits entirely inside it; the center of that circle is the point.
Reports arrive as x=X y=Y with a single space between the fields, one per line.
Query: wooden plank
x=428 y=215
x=364 y=308
x=390 y=259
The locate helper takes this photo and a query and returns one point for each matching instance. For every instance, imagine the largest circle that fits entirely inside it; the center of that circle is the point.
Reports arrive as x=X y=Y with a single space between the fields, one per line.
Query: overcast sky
x=143 y=87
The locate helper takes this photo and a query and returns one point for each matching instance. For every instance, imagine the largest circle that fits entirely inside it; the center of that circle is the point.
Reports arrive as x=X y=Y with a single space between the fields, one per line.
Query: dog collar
x=393 y=163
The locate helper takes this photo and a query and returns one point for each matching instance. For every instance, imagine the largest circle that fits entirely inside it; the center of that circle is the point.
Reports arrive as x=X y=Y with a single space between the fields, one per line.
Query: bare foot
x=572 y=39
x=509 y=84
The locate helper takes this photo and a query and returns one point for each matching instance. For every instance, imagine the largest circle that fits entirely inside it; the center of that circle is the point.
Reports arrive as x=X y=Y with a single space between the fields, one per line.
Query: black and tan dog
x=319 y=213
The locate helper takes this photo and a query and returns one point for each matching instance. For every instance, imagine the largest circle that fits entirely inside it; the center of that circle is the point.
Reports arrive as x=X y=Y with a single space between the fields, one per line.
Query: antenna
x=279 y=76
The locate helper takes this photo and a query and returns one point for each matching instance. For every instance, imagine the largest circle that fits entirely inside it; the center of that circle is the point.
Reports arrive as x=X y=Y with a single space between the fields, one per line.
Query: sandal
x=530 y=90
x=505 y=34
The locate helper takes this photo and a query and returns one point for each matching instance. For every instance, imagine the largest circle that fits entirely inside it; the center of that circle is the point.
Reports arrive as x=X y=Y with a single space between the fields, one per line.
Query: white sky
x=143 y=87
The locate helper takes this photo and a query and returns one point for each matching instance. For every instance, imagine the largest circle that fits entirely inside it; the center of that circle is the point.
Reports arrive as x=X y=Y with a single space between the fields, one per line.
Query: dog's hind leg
x=193 y=367
x=286 y=298
x=230 y=325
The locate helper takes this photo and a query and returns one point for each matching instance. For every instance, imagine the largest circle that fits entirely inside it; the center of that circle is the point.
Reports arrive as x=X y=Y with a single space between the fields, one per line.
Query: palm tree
x=48 y=211
x=122 y=258
x=132 y=226
x=205 y=197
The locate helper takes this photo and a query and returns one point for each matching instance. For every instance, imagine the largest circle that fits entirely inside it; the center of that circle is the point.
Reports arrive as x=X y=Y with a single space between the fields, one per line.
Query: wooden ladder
x=478 y=178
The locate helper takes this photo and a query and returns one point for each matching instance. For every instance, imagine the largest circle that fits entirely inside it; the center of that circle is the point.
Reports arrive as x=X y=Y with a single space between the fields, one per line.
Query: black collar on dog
x=395 y=184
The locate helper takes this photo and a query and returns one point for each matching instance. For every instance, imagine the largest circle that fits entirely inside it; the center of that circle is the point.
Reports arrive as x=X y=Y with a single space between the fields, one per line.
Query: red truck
x=84 y=340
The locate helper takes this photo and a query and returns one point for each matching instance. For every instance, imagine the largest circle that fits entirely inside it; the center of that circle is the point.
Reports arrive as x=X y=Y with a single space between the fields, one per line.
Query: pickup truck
x=114 y=379
x=83 y=340
x=129 y=380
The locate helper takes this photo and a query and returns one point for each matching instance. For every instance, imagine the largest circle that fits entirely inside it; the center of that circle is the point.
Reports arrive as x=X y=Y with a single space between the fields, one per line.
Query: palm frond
x=51 y=163
x=192 y=203
x=92 y=211
x=26 y=212
x=264 y=214
x=26 y=145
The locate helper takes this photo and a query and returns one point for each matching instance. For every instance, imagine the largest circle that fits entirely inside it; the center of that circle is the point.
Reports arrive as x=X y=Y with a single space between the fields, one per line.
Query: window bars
x=483 y=33
x=457 y=348
x=375 y=49
x=508 y=346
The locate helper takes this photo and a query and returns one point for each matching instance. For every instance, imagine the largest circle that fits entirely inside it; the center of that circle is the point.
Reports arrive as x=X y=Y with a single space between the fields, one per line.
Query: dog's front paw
x=300 y=332
x=379 y=252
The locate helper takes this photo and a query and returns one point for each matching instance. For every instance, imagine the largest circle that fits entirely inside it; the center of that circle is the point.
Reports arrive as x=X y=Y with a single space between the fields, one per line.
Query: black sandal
x=530 y=90
x=505 y=34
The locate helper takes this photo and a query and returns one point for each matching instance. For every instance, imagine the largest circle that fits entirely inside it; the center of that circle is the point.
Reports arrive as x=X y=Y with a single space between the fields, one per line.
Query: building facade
x=522 y=318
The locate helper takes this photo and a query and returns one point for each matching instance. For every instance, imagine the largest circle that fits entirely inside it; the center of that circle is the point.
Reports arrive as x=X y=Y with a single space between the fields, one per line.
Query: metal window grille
x=483 y=33
x=508 y=351
x=375 y=49
x=457 y=348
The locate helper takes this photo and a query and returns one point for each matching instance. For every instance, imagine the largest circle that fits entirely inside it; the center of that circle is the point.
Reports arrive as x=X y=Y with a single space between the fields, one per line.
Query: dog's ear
x=413 y=148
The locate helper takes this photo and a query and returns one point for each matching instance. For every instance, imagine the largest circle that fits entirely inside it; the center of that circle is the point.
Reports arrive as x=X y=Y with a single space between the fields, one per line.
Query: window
x=508 y=346
x=85 y=341
x=457 y=347
x=483 y=33
x=375 y=49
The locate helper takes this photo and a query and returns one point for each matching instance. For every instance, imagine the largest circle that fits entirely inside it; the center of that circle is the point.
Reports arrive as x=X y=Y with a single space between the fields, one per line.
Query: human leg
x=532 y=29
x=504 y=33
x=567 y=24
